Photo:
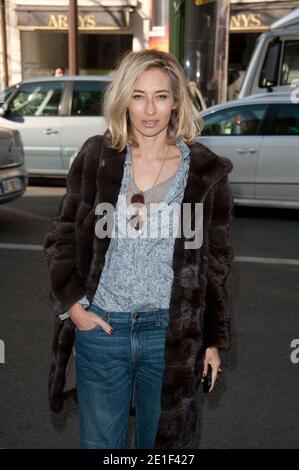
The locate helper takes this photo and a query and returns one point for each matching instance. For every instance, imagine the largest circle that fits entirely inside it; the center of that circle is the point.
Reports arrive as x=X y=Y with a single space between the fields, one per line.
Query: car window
x=273 y=54
x=290 y=63
x=5 y=94
x=88 y=98
x=238 y=120
x=37 y=99
x=285 y=120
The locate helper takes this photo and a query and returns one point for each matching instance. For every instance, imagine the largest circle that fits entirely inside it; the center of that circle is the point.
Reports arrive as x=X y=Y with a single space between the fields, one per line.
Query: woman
x=147 y=312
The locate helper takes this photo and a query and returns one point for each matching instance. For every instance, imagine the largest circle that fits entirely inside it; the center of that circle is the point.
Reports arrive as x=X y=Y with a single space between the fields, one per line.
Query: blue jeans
x=108 y=365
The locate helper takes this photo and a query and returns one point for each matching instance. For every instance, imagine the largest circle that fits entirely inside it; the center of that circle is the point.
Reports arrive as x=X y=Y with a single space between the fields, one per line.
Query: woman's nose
x=150 y=107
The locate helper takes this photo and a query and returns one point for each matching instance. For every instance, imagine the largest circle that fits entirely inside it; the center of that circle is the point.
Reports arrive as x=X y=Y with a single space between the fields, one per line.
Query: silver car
x=54 y=116
x=260 y=135
x=13 y=176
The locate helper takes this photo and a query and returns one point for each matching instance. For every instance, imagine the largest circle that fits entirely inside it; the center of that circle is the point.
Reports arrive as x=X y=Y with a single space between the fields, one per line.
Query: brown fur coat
x=198 y=304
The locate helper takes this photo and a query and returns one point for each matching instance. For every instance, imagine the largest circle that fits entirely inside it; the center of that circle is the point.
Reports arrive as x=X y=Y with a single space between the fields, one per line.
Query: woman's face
x=151 y=103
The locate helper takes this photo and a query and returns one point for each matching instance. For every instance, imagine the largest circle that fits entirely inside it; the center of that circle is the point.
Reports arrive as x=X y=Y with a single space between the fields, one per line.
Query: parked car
x=13 y=175
x=55 y=115
x=260 y=135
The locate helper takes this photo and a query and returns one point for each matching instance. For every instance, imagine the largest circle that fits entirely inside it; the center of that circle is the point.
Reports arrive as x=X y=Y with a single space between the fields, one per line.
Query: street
x=255 y=403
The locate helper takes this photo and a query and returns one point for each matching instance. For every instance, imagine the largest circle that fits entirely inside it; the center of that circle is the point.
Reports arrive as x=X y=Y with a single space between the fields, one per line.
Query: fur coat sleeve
x=217 y=319
x=60 y=244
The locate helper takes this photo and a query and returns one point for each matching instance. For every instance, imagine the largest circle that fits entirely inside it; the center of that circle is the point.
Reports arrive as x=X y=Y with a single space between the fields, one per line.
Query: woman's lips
x=150 y=123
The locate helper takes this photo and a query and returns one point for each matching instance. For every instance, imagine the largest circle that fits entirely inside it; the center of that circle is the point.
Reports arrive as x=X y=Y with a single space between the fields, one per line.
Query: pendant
x=137 y=198
x=136 y=218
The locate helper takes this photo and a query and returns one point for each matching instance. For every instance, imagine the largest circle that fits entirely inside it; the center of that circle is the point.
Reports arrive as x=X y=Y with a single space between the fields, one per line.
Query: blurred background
x=213 y=39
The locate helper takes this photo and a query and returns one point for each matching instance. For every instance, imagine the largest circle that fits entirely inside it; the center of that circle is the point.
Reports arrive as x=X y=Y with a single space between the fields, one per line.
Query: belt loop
x=157 y=318
x=108 y=318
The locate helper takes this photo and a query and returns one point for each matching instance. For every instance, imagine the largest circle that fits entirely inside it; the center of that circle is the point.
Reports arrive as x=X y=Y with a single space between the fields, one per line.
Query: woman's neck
x=150 y=148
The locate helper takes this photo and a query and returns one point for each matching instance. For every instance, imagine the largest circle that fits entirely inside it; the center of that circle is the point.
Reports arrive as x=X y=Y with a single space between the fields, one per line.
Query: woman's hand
x=212 y=357
x=85 y=320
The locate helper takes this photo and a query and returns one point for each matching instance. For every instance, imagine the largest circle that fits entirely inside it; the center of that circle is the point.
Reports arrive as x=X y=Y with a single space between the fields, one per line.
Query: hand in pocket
x=86 y=320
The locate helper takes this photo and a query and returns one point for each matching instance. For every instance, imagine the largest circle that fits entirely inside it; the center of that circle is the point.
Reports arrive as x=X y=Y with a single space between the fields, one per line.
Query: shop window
x=97 y=53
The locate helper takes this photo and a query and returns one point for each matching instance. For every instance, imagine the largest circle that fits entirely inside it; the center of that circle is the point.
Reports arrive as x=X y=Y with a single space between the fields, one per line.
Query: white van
x=274 y=65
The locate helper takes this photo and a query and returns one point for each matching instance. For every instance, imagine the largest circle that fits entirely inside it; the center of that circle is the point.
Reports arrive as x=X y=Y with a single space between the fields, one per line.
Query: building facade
x=37 y=35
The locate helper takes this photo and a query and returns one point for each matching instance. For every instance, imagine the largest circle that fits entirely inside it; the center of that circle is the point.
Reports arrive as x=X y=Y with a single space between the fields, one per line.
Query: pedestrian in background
x=142 y=311
x=58 y=72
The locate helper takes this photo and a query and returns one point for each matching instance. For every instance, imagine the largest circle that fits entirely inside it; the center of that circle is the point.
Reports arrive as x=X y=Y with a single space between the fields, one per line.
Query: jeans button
x=136 y=316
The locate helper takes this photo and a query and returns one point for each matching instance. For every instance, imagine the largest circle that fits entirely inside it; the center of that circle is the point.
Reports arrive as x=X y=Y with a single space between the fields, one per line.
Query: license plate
x=9 y=186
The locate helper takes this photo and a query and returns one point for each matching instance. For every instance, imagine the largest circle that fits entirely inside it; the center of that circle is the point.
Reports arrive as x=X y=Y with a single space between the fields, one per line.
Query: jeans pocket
x=91 y=330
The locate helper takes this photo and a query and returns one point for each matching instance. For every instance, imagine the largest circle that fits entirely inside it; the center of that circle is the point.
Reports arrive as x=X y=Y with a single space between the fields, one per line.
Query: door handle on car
x=50 y=131
x=246 y=150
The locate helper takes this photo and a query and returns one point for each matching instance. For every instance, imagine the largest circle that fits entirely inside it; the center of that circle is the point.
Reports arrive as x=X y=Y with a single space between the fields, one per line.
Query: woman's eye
x=140 y=97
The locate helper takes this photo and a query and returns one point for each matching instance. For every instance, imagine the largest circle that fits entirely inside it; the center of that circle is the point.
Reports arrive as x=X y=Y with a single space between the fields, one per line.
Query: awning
x=31 y=18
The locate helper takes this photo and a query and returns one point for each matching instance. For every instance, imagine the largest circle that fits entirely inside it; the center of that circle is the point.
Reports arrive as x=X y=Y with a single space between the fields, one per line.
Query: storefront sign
x=258 y=18
x=58 y=20
x=61 y=22
x=246 y=21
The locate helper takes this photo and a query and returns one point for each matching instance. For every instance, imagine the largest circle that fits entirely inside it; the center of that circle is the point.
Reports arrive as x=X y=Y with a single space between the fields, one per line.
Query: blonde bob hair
x=185 y=121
